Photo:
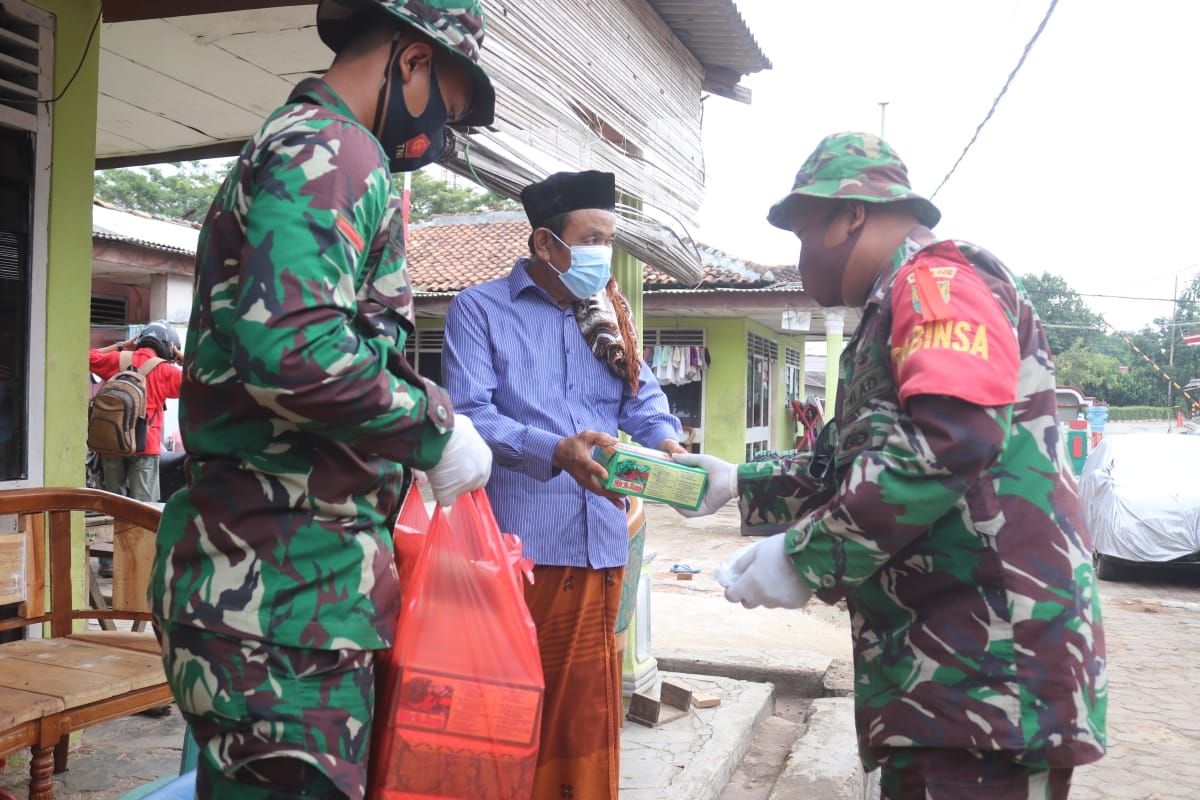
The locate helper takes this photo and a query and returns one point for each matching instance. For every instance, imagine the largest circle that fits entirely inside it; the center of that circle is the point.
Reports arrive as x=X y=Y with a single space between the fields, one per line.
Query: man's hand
x=762 y=575
x=671 y=447
x=573 y=455
x=466 y=463
x=722 y=483
x=128 y=344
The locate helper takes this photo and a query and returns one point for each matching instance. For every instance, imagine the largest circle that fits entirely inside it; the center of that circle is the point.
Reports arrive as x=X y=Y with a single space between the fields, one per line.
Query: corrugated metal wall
x=600 y=85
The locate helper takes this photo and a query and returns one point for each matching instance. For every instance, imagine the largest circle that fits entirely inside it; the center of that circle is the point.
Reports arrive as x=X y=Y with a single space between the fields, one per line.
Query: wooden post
x=35 y=566
x=60 y=573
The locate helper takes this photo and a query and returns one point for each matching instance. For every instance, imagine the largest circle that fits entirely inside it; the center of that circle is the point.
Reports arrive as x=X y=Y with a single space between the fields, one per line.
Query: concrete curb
x=674 y=769
x=706 y=776
x=838 y=680
x=824 y=761
x=794 y=672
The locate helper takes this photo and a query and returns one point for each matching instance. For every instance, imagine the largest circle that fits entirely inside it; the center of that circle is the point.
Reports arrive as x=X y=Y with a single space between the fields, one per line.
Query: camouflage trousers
x=272 y=722
x=934 y=774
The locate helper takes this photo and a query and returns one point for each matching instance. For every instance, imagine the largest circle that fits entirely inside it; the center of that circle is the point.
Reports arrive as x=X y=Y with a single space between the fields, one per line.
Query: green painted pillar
x=835 y=324
x=69 y=256
x=628 y=272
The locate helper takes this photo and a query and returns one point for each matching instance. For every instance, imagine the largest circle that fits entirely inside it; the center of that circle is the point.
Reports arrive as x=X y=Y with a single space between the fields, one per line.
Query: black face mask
x=410 y=142
x=822 y=268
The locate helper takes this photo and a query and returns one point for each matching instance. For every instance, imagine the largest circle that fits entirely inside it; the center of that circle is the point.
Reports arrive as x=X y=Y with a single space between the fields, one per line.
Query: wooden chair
x=74 y=679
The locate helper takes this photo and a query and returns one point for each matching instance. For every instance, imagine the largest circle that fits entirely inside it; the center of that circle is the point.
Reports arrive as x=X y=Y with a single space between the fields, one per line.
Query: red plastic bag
x=462 y=714
x=408 y=536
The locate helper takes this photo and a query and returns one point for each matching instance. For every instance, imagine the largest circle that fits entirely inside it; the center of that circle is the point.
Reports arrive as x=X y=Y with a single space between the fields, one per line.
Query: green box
x=652 y=475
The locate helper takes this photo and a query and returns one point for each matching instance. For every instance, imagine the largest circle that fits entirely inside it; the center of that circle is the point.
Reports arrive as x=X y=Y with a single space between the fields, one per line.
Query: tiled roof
x=713 y=276
x=172 y=236
x=448 y=254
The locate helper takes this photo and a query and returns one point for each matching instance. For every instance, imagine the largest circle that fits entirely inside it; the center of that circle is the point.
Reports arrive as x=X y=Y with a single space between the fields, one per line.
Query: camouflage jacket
x=298 y=408
x=950 y=522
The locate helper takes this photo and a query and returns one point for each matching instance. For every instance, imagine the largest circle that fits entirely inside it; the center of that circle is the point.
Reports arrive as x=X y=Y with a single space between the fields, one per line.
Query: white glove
x=466 y=463
x=722 y=482
x=762 y=575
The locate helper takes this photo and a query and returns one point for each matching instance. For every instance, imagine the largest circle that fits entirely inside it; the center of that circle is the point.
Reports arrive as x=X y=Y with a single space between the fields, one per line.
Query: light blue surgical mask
x=591 y=267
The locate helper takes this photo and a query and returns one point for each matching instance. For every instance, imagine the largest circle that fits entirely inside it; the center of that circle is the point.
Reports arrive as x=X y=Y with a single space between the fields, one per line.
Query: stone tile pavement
x=1152 y=627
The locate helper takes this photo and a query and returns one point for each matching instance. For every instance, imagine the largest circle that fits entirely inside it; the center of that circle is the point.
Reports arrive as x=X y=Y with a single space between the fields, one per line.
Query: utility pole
x=883 y=104
x=1171 y=357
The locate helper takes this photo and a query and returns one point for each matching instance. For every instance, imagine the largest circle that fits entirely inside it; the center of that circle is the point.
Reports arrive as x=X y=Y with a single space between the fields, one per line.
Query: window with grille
x=794 y=366
x=674 y=337
x=21 y=49
x=761 y=357
x=424 y=351
x=109 y=310
x=754 y=448
x=26 y=56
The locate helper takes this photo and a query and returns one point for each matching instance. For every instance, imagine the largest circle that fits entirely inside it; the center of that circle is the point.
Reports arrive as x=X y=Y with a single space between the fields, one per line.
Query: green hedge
x=1130 y=413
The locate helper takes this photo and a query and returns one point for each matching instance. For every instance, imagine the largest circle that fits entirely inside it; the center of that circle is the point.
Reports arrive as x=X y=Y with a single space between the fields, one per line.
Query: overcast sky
x=1088 y=170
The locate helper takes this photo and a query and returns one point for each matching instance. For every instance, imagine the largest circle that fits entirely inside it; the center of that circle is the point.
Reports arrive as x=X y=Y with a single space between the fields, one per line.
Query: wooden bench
x=75 y=679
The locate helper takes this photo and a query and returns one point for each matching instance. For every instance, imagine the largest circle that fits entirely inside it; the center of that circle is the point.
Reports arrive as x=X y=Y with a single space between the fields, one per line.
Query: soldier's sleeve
x=956 y=361
x=772 y=495
x=315 y=202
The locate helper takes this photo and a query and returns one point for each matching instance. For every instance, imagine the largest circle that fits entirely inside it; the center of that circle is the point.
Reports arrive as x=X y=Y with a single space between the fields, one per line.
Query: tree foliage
x=432 y=196
x=1103 y=364
x=1060 y=305
x=182 y=192
x=185 y=190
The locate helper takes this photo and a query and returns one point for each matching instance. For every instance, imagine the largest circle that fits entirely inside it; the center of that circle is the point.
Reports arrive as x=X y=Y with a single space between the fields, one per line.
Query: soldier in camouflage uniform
x=274 y=580
x=939 y=502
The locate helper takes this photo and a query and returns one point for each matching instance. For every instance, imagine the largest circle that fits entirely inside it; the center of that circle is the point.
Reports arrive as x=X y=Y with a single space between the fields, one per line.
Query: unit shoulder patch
x=949 y=334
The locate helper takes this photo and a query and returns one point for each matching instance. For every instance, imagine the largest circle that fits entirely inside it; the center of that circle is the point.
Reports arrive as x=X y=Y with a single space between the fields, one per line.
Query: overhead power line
x=1024 y=54
x=1102 y=329
x=1051 y=293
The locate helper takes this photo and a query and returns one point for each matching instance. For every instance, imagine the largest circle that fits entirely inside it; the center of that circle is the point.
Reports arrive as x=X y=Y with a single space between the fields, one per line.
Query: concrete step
x=755 y=777
x=794 y=672
x=824 y=761
x=693 y=756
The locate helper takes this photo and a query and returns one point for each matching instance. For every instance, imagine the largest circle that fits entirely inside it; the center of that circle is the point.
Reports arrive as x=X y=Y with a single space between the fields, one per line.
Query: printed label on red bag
x=488 y=711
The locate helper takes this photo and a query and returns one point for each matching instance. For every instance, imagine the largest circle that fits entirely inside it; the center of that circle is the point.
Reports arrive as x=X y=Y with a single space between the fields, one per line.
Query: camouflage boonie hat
x=456 y=25
x=854 y=166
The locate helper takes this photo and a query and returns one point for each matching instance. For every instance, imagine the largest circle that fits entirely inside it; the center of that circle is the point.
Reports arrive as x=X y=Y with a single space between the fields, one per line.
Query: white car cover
x=1141 y=496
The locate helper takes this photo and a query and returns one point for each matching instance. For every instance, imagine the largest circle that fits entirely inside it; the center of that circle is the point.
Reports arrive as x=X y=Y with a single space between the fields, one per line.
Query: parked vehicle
x=172 y=473
x=1142 y=502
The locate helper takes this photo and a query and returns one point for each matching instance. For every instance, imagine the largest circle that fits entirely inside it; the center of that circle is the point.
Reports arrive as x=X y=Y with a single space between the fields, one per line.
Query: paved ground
x=1152 y=625
x=694 y=615
x=1153 y=631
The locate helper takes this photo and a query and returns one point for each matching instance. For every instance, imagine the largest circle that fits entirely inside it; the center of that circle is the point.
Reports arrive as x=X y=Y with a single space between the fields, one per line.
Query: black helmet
x=160 y=336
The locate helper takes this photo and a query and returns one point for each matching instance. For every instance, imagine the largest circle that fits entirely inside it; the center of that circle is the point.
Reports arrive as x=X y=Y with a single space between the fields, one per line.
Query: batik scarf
x=606 y=322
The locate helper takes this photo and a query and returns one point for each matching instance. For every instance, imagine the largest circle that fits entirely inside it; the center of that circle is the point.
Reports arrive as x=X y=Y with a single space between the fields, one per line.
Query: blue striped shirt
x=517 y=365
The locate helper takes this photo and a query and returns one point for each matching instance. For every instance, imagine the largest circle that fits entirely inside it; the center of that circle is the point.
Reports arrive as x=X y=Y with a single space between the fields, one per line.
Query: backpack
x=117 y=416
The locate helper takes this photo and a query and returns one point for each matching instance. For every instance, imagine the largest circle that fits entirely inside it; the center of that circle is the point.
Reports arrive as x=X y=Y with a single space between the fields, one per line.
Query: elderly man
x=940 y=503
x=546 y=363
x=274 y=582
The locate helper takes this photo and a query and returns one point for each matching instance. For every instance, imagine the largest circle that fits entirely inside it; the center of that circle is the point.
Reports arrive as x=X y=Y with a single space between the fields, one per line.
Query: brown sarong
x=575 y=610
